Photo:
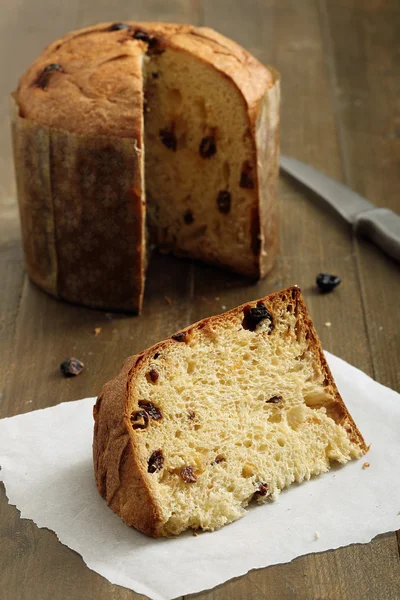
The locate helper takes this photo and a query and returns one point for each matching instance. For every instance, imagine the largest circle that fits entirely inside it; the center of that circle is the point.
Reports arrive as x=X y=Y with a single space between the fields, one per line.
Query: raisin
x=188 y=475
x=157 y=354
x=153 y=375
x=179 y=337
x=254 y=316
x=246 y=181
x=207 y=147
x=71 y=367
x=168 y=138
x=140 y=419
x=43 y=78
x=191 y=414
x=150 y=409
x=52 y=67
x=155 y=462
x=327 y=282
x=143 y=36
x=262 y=489
x=219 y=459
x=188 y=217
x=224 y=202
x=155 y=75
x=119 y=26
x=274 y=400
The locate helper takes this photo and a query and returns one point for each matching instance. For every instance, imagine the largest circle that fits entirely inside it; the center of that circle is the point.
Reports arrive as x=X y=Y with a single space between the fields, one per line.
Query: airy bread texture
x=171 y=125
x=234 y=408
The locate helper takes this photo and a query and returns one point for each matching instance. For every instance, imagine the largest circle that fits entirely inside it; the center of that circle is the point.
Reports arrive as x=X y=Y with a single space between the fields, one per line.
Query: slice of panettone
x=234 y=408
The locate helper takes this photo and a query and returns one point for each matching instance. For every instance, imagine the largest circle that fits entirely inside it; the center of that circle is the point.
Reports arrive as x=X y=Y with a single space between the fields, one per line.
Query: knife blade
x=380 y=225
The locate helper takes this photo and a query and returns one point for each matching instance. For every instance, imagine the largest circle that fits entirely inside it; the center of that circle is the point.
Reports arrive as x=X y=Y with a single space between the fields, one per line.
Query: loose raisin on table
x=262 y=489
x=274 y=400
x=188 y=475
x=150 y=409
x=71 y=367
x=188 y=217
x=327 y=282
x=155 y=75
x=254 y=316
x=179 y=337
x=224 y=202
x=169 y=140
x=155 y=462
x=119 y=26
x=208 y=147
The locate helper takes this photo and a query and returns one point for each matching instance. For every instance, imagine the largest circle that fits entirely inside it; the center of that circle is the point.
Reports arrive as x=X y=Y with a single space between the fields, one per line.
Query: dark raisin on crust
x=155 y=462
x=71 y=367
x=119 y=26
x=274 y=400
x=246 y=180
x=188 y=475
x=327 y=282
x=179 y=337
x=150 y=409
x=208 y=147
x=153 y=375
x=139 y=419
x=143 y=36
x=254 y=316
x=262 y=489
x=224 y=202
x=43 y=79
x=188 y=217
x=169 y=140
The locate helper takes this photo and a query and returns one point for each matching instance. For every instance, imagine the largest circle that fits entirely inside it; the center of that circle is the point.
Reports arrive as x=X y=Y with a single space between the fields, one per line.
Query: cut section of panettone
x=234 y=408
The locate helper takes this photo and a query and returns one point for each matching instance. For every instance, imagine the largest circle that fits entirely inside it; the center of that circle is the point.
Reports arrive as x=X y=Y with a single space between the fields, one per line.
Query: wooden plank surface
x=340 y=112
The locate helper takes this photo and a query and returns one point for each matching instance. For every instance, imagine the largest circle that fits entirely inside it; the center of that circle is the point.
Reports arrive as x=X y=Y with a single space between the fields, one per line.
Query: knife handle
x=382 y=226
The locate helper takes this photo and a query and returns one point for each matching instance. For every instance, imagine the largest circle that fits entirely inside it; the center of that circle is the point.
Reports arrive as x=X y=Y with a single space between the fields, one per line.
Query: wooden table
x=340 y=69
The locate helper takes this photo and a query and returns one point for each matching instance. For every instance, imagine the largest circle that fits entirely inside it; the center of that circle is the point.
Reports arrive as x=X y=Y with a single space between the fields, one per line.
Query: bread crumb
x=168 y=300
x=317 y=535
x=223 y=307
x=217 y=298
x=380 y=328
x=97 y=331
x=328 y=324
x=366 y=465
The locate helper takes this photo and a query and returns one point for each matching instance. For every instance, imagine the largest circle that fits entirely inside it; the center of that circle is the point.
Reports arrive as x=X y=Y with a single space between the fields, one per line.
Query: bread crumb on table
x=96 y=330
x=366 y=465
x=317 y=535
x=328 y=324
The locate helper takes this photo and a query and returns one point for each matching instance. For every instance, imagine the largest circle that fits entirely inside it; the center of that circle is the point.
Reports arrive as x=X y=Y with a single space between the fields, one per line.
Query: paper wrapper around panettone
x=81 y=211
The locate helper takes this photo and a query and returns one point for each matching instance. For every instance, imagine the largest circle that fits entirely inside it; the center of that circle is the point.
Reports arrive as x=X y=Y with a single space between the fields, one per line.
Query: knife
x=380 y=225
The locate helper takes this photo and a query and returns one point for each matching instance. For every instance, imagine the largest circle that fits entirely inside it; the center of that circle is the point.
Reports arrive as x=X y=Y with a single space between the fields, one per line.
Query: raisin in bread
x=234 y=408
x=123 y=124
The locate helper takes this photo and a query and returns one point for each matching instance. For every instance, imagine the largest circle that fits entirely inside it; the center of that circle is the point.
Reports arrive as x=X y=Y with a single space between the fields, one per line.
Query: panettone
x=234 y=408
x=133 y=134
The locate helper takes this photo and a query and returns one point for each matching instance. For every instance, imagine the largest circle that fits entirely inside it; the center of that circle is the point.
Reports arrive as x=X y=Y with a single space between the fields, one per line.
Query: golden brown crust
x=99 y=80
x=121 y=477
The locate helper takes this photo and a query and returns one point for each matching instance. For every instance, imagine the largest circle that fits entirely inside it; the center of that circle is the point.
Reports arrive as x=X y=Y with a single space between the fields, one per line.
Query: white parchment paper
x=46 y=466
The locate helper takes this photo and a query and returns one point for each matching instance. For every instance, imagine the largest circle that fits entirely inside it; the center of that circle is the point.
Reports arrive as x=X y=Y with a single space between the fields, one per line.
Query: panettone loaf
x=125 y=123
x=234 y=408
